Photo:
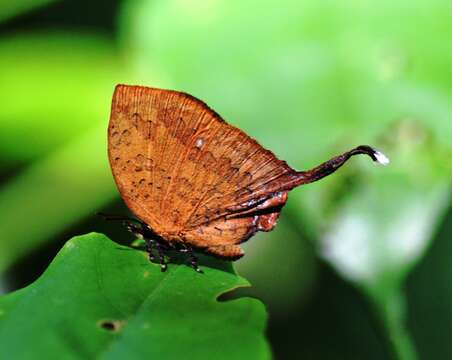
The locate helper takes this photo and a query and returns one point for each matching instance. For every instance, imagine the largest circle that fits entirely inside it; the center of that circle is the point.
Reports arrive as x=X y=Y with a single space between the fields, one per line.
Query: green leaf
x=101 y=300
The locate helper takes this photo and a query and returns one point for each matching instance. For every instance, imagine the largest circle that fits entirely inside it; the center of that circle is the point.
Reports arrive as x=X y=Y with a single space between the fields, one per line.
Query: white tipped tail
x=381 y=158
x=330 y=166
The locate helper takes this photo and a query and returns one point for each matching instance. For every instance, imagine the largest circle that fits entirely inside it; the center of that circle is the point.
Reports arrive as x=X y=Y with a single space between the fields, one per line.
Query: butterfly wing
x=183 y=170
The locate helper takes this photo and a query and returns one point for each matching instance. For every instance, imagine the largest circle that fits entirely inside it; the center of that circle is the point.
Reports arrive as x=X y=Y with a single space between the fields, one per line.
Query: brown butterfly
x=194 y=181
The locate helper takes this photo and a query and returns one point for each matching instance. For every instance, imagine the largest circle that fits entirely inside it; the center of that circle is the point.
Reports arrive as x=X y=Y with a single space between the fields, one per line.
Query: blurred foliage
x=129 y=308
x=51 y=94
x=67 y=178
x=308 y=80
x=9 y=9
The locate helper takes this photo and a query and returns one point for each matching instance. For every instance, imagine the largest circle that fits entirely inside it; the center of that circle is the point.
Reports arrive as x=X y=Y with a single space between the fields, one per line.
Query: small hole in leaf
x=110 y=325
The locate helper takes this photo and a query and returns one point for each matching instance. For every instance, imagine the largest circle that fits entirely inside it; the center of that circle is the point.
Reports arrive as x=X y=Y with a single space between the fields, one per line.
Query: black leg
x=194 y=263
x=149 y=244
x=136 y=228
x=139 y=230
x=193 y=259
x=160 y=251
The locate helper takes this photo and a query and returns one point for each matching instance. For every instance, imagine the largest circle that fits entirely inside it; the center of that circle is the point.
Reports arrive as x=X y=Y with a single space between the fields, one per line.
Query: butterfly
x=195 y=181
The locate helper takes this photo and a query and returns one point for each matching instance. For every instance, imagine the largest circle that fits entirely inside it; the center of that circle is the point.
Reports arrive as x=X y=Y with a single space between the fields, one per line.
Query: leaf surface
x=99 y=299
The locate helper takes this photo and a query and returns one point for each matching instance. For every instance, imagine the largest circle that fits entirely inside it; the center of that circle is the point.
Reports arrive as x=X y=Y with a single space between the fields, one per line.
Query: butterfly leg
x=160 y=251
x=193 y=259
x=138 y=229
x=194 y=263
x=150 y=243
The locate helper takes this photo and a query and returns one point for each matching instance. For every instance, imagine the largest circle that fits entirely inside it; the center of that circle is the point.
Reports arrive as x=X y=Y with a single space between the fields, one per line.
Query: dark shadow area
x=218 y=264
x=429 y=293
x=28 y=269
x=8 y=171
x=336 y=324
x=83 y=14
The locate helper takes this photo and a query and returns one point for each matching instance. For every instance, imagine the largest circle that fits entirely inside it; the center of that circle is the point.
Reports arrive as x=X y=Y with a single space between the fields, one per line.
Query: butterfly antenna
x=330 y=166
x=116 y=217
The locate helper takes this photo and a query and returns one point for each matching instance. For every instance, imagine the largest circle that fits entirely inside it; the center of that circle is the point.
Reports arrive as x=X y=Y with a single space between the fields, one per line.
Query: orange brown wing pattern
x=221 y=237
x=181 y=168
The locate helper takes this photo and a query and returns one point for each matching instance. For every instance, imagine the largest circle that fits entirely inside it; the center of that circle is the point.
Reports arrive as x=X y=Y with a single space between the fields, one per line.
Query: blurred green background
x=359 y=265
